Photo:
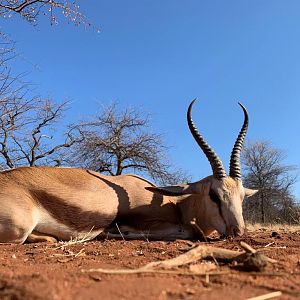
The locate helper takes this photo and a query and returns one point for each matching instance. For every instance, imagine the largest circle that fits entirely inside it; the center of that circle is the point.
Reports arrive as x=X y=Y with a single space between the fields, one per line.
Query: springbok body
x=49 y=204
x=63 y=203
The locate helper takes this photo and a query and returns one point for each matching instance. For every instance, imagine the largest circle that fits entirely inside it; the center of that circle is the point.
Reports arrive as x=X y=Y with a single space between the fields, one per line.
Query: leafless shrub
x=265 y=170
x=26 y=132
x=120 y=142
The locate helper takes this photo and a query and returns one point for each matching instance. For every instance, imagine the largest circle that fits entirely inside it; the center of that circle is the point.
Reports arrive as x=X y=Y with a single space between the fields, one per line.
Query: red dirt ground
x=41 y=271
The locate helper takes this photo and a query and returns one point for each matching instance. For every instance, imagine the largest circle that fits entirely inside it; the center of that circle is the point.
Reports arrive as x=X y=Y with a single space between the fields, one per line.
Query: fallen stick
x=266 y=296
x=251 y=259
x=156 y=271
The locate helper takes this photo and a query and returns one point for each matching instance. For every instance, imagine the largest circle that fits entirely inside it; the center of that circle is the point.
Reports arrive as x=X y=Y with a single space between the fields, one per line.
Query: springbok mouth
x=229 y=237
x=223 y=237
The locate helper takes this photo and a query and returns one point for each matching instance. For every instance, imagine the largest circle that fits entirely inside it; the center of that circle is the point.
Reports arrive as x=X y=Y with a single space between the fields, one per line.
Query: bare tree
x=26 y=132
x=31 y=9
x=27 y=123
x=121 y=142
x=266 y=171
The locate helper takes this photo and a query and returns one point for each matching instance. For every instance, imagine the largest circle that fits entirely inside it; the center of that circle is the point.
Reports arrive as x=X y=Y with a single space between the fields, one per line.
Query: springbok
x=50 y=204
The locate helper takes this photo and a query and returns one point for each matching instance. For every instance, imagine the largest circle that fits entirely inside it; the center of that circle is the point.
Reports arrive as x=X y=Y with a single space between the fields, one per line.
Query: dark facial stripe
x=215 y=198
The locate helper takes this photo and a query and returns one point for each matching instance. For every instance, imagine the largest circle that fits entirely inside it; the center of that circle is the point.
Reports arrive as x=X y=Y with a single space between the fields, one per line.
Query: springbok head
x=218 y=198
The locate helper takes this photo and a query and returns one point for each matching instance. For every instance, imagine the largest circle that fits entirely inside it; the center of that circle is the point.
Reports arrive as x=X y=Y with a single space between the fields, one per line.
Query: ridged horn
x=235 y=159
x=215 y=162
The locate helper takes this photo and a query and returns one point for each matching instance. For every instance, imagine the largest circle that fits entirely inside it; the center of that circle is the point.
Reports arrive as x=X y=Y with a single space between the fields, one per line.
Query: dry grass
x=274 y=227
x=71 y=242
x=75 y=241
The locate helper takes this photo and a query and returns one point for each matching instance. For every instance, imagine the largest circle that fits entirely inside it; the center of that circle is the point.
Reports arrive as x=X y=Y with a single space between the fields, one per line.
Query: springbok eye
x=214 y=197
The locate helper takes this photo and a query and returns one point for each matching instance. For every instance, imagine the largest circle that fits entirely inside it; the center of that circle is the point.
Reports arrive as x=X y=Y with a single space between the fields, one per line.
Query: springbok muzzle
x=235 y=231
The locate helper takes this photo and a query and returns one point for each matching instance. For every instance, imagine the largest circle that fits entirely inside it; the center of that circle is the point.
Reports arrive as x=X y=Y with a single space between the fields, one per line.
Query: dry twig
x=120 y=232
x=200 y=232
x=251 y=261
x=266 y=296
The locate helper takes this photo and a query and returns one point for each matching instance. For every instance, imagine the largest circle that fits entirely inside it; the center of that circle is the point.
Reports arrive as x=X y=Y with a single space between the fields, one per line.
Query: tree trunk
x=263 y=215
x=119 y=167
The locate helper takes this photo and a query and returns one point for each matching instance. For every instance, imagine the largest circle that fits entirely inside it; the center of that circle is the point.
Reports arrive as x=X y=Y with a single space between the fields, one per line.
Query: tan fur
x=65 y=203
x=230 y=183
x=48 y=204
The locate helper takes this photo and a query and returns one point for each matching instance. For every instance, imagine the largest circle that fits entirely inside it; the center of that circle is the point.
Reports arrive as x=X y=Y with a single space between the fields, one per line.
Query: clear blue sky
x=159 y=55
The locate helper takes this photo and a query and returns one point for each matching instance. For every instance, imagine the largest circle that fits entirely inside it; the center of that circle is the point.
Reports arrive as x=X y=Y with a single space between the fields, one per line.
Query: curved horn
x=235 y=160
x=215 y=162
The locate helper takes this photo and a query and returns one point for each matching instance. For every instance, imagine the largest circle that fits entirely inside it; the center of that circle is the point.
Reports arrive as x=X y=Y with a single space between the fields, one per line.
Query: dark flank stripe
x=70 y=215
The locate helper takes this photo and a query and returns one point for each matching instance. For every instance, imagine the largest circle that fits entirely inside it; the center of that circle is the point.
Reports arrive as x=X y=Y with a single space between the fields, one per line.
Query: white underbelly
x=47 y=224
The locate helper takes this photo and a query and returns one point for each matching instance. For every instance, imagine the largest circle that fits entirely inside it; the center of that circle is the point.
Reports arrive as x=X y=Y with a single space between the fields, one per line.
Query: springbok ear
x=173 y=190
x=250 y=192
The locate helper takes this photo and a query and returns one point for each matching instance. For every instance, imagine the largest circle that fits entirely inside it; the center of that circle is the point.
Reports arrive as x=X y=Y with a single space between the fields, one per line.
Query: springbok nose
x=236 y=231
